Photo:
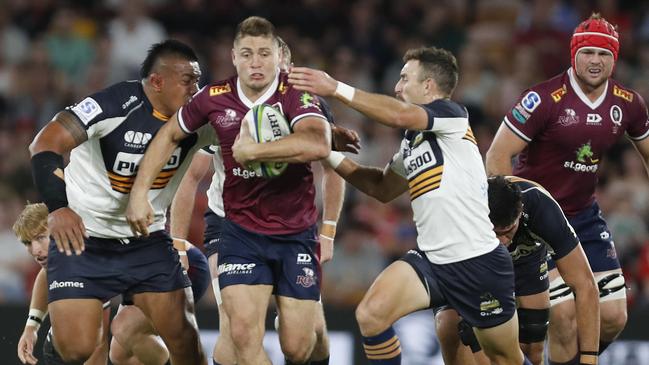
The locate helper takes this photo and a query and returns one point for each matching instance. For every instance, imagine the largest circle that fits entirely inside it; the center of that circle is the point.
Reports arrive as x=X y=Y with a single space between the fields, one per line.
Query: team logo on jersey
x=228 y=118
x=308 y=279
x=585 y=161
x=531 y=101
x=559 y=93
x=303 y=258
x=220 y=89
x=87 y=109
x=593 y=119
x=489 y=305
x=136 y=139
x=568 y=118
x=621 y=93
x=520 y=114
x=308 y=101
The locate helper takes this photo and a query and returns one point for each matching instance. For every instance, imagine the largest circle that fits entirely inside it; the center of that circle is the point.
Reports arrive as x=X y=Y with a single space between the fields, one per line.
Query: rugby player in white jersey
x=460 y=262
x=95 y=256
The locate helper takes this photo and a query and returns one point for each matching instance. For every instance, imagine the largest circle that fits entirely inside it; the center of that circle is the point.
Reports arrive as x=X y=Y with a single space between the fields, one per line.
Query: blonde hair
x=31 y=222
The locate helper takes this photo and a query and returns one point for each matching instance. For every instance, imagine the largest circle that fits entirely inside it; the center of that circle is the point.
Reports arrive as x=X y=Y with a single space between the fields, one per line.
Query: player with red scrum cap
x=559 y=130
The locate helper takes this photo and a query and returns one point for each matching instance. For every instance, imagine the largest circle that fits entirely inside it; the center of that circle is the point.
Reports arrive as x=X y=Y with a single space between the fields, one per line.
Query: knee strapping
x=467 y=336
x=611 y=287
x=533 y=324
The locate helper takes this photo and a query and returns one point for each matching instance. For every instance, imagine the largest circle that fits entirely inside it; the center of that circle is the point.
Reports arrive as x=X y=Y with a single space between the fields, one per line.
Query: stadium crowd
x=53 y=53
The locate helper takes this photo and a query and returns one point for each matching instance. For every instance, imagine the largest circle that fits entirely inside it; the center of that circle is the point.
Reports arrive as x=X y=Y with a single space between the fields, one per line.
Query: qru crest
x=616 y=117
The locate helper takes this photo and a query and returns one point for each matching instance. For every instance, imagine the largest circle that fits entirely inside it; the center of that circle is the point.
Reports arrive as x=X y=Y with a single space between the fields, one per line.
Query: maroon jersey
x=568 y=135
x=283 y=205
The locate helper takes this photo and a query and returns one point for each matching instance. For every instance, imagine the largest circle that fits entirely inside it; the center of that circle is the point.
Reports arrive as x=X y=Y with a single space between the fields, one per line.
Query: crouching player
x=529 y=222
x=31 y=229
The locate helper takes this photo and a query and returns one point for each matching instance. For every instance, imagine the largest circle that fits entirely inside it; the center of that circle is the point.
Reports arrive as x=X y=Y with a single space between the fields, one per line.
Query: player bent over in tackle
x=530 y=223
x=31 y=229
x=96 y=256
x=460 y=262
x=268 y=239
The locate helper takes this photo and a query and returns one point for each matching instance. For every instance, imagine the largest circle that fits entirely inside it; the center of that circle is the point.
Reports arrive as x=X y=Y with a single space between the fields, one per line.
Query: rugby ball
x=267 y=124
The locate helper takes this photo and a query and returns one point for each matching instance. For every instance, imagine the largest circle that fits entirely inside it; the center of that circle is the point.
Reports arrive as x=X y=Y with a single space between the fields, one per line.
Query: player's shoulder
x=531 y=191
x=553 y=89
x=114 y=101
x=625 y=95
x=446 y=108
x=220 y=88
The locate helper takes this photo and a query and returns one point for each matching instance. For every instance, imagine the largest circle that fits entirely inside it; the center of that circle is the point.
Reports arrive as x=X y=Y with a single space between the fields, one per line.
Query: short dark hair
x=170 y=47
x=437 y=64
x=255 y=26
x=505 y=201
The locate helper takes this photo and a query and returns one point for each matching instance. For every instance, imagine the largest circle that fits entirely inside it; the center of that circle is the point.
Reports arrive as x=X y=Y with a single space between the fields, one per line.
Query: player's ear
x=156 y=81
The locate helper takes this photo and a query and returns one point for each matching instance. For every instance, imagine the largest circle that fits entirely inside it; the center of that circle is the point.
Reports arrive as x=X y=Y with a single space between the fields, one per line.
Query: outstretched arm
x=382 y=108
x=575 y=271
x=37 y=312
x=139 y=212
x=384 y=185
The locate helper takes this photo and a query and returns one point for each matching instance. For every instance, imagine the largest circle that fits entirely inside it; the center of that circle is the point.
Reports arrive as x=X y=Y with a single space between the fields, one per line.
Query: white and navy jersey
x=542 y=224
x=448 y=186
x=215 y=191
x=120 y=122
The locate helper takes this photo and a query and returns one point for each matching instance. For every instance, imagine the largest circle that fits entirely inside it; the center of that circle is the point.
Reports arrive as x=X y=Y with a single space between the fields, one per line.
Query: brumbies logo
x=489 y=305
x=308 y=279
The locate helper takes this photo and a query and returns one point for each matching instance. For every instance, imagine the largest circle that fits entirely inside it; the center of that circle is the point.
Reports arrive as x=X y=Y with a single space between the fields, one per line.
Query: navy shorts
x=109 y=267
x=596 y=239
x=480 y=289
x=287 y=262
x=531 y=273
x=213 y=227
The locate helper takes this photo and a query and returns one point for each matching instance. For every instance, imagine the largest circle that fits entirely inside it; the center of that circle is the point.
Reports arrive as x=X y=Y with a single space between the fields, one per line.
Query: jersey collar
x=269 y=92
x=582 y=96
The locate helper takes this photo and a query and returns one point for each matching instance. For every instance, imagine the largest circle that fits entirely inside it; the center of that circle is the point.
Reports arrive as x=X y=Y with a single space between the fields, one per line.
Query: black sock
x=214 y=362
x=292 y=363
x=603 y=345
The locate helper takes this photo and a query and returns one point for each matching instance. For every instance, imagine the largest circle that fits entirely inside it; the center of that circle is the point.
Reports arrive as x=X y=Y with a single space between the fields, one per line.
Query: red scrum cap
x=594 y=32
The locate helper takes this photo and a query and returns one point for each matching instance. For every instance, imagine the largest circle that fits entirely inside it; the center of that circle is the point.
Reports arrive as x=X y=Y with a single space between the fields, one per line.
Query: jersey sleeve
x=639 y=124
x=396 y=165
x=529 y=115
x=194 y=114
x=547 y=220
x=326 y=110
x=301 y=104
x=98 y=112
x=447 y=117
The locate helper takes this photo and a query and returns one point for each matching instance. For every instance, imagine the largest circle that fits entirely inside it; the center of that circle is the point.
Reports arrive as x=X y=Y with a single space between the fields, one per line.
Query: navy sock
x=603 y=345
x=384 y=348
x=292 y=363
x=574 y=361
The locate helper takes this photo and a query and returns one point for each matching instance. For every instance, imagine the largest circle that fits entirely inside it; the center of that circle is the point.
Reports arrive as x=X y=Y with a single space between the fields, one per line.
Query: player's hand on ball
x=243 y=145
x=139 y=215
x=313 y=81
x=68 y=231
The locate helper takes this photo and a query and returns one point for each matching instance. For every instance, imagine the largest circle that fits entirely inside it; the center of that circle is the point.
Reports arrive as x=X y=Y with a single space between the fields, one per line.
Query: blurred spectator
x=131 y=34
